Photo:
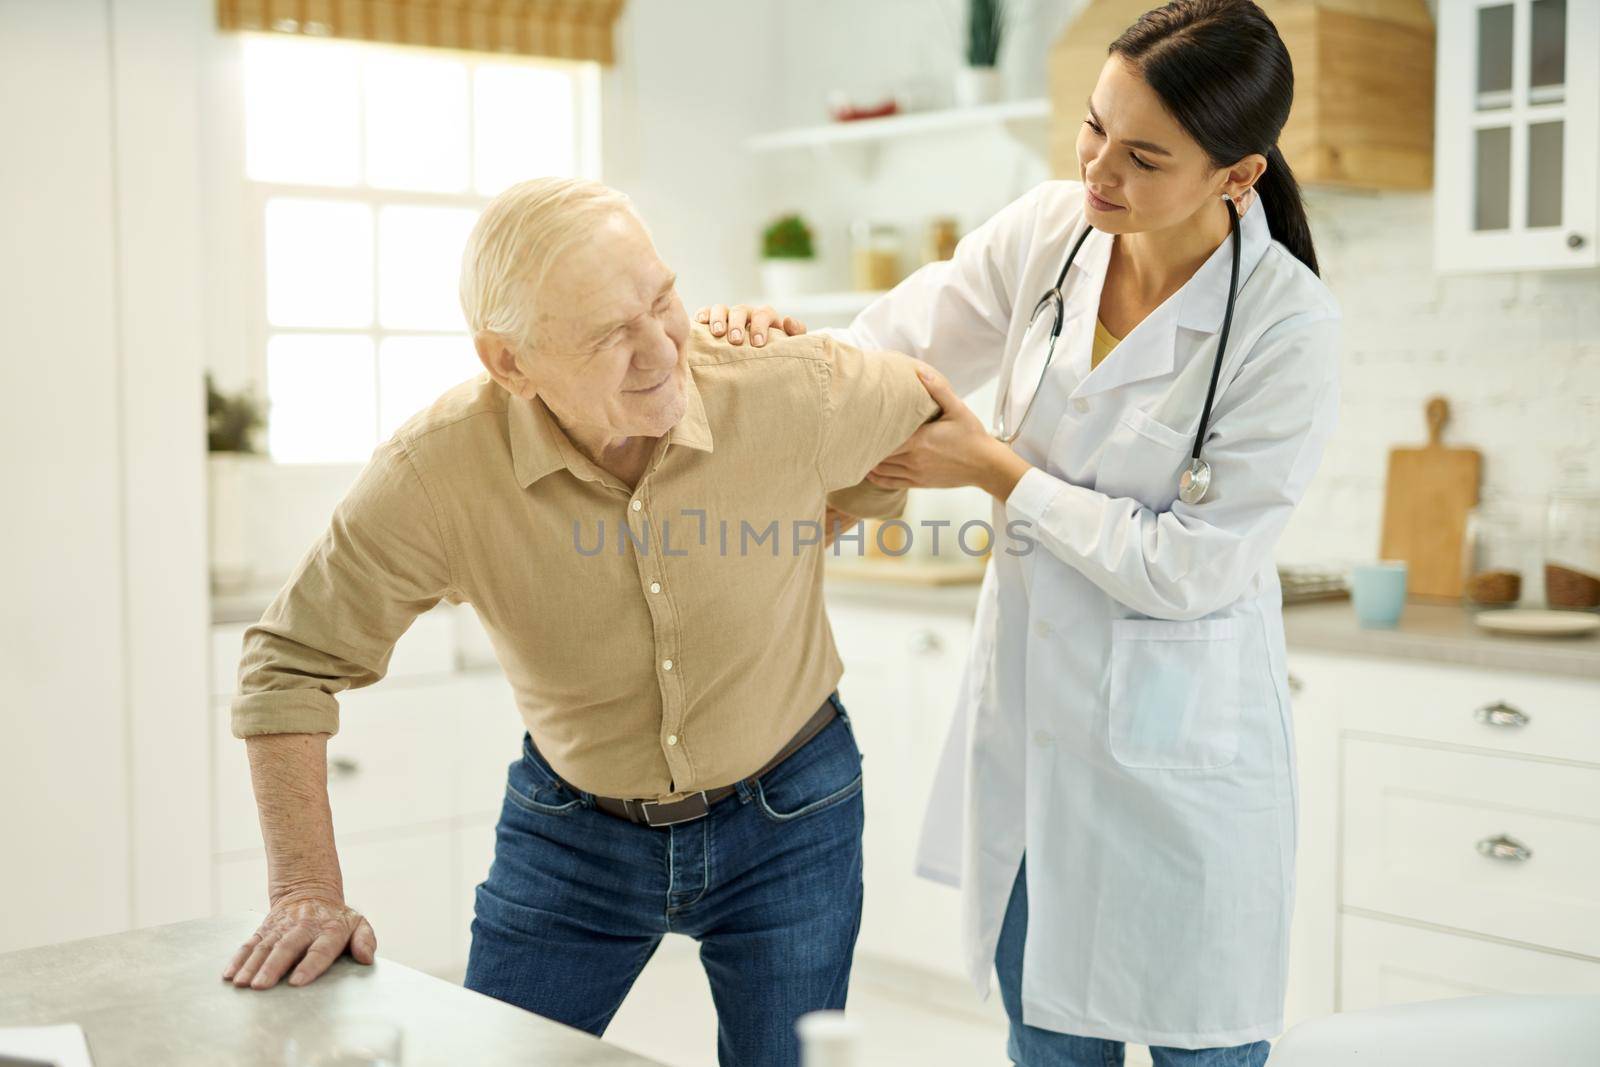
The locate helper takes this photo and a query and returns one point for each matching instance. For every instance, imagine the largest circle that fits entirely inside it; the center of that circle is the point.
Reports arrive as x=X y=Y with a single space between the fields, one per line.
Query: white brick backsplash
x=1517 y=355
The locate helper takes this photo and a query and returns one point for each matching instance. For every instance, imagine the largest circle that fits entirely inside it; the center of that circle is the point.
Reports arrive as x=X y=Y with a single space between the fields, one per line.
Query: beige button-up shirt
x=661 y=640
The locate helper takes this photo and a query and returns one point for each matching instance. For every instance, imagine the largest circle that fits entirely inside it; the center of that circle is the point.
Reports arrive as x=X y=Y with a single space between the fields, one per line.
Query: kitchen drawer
x=488 y=737
x=1527 y=714
x=1385 y=963
x=1415 y=820
x=428 y=647
x=391 y=764
x=403 y=885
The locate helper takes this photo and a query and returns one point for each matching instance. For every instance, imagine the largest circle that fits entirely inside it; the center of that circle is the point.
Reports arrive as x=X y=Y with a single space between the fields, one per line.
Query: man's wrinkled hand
x=310 y=931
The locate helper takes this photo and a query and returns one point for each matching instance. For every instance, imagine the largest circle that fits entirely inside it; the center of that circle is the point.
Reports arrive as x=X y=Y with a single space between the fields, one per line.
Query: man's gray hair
x=518 y=237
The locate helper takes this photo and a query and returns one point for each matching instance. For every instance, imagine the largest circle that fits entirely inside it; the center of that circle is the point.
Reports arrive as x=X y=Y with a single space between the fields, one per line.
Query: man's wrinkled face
x=611 y=337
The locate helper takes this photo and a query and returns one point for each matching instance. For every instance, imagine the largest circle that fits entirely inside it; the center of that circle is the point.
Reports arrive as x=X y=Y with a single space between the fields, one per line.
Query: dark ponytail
x=1224 y=74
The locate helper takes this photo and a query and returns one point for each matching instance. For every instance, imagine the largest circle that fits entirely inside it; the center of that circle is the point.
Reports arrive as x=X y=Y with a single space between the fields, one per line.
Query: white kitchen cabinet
x=473 y=853
x=1507 y=848
x=902 y=673
x=1449 y=832
x=1517 y=139
x=1387 y=963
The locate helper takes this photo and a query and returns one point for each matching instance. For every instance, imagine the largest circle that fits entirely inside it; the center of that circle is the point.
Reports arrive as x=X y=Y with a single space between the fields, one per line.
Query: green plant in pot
x=979 y=81
x=232 y=419
x=788 y=259
x=232 y=422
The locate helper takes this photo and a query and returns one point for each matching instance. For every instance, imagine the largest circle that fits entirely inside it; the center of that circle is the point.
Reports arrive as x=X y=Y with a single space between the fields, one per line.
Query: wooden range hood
x=1363 y=107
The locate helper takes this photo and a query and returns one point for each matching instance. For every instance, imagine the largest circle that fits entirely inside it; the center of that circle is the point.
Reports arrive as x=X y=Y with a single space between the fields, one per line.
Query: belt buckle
x=696 y=801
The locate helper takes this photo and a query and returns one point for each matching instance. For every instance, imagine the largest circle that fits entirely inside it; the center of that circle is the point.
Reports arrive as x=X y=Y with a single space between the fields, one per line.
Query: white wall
x=63 y=779
x=1518 y=356
x=102 y=640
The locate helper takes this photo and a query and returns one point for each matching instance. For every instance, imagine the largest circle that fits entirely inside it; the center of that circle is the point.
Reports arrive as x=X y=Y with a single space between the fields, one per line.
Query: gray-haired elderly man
x=632 y=508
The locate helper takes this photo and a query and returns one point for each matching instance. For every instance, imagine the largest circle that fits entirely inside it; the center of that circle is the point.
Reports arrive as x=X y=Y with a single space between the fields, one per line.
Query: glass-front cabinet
x=1517 y=167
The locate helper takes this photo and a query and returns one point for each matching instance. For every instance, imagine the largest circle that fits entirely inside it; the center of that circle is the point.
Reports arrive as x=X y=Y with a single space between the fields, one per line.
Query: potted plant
x=788 y=259
x=232 y=422
x=979 y=81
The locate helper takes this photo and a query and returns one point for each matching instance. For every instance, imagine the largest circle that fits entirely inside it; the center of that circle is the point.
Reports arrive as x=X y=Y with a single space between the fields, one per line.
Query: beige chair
x=1491 y=1031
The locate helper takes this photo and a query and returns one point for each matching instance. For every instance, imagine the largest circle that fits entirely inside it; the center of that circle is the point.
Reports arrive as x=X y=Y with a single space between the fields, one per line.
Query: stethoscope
x=1195 y=480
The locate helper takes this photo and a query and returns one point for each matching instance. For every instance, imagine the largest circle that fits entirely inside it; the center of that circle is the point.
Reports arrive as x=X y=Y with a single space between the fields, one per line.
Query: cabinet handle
x=343 y=767
x=1505 y=848
x=1575 y=241
x=1295 y=684
x=1501 y=714
x=926 y=643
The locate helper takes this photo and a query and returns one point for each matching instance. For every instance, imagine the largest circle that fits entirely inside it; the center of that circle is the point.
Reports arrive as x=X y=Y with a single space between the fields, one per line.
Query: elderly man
x=631 y=507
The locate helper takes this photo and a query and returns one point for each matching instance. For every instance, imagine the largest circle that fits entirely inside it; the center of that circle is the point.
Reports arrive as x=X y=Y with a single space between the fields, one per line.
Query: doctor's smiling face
x=1141 y=169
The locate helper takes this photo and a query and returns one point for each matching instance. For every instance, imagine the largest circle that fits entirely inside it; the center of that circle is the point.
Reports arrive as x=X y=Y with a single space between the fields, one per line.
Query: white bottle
x=828 y=1039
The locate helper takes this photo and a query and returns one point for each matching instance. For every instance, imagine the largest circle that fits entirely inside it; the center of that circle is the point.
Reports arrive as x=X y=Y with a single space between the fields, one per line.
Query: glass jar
x=1572 y=550
x=875 y=251
x=1492 y=558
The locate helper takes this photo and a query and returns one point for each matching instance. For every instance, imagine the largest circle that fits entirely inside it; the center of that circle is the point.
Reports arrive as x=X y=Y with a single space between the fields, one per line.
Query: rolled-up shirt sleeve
x=382 y=561
x=873 y=401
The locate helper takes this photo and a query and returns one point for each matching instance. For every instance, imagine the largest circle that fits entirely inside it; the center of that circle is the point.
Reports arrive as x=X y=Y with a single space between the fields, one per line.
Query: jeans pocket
x=532 y=786
x=824 y=773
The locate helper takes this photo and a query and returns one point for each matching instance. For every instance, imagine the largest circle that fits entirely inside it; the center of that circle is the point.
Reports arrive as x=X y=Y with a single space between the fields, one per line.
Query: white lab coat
x=1125 y=713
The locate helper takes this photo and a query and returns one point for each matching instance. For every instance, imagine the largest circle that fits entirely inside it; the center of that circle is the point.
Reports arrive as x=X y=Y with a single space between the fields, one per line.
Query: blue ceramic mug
x=1378 y=591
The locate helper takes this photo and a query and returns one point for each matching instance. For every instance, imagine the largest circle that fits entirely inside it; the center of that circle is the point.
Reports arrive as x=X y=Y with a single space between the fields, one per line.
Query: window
x=365 y=167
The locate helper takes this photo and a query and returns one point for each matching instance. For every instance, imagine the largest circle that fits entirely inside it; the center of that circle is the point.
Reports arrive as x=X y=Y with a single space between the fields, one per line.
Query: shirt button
x=1042 y=739
x=1043 y=629
x=655 y=587
x=1080 y=405
x=636 y=505
x=666 y=664
x=672 y=739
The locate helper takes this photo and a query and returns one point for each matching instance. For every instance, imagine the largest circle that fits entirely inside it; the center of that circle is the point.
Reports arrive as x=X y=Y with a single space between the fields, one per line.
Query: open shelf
x=1025 y=119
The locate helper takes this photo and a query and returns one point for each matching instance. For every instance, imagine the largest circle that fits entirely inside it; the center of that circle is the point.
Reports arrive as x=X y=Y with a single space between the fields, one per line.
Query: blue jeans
x=769 y=883
x=1029 y=1046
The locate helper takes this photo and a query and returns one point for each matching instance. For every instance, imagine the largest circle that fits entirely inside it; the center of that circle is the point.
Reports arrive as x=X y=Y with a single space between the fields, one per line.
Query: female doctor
x=1118 y=795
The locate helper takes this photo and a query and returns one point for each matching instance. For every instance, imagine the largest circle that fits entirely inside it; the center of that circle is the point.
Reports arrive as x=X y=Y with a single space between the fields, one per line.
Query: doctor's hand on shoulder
x=734 y=324
x=956 y=449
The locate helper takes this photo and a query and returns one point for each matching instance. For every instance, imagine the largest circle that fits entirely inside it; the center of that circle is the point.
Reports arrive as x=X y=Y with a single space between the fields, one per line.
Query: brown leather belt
x=698 y=805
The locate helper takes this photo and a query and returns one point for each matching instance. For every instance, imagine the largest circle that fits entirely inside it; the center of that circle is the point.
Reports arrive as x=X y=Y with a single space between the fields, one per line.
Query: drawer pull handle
x=1501 y=714
x=1505 y=848
x=344 y=767
x=927 y=643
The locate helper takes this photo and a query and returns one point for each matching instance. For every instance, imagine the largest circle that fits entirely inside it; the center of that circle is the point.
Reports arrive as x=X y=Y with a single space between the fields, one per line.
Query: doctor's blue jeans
x=769 y=884
x=1029 y=1046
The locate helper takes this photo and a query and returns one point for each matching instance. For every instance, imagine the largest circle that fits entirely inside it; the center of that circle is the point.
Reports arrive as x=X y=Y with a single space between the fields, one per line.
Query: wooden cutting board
x=1430 y=491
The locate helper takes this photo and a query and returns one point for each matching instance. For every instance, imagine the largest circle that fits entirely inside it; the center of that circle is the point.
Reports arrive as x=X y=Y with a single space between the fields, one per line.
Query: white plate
x=1542 y=623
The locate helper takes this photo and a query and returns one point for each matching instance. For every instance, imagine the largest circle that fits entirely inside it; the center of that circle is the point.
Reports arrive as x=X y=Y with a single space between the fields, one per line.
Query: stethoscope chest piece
x=1194 y=482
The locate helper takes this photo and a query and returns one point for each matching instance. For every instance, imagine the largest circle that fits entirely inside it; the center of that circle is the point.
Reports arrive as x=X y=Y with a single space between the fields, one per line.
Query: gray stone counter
x=155 y=997
x=1435 y=633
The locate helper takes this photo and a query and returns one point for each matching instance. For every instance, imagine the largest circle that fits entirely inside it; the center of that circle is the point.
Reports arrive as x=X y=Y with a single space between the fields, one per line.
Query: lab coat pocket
x=1142 y=461
x=1174 y=693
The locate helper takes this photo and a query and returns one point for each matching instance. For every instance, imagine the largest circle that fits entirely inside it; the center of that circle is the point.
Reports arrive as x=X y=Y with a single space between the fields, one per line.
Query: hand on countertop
x=311 y=930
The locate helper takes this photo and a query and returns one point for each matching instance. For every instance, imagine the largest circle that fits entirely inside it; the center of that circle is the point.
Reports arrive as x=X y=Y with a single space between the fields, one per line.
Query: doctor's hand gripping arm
x=1267 y=435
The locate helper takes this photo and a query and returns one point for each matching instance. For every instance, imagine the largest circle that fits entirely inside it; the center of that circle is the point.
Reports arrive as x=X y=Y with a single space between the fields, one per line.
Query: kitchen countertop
x=1438 y=633
x=155 y=996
